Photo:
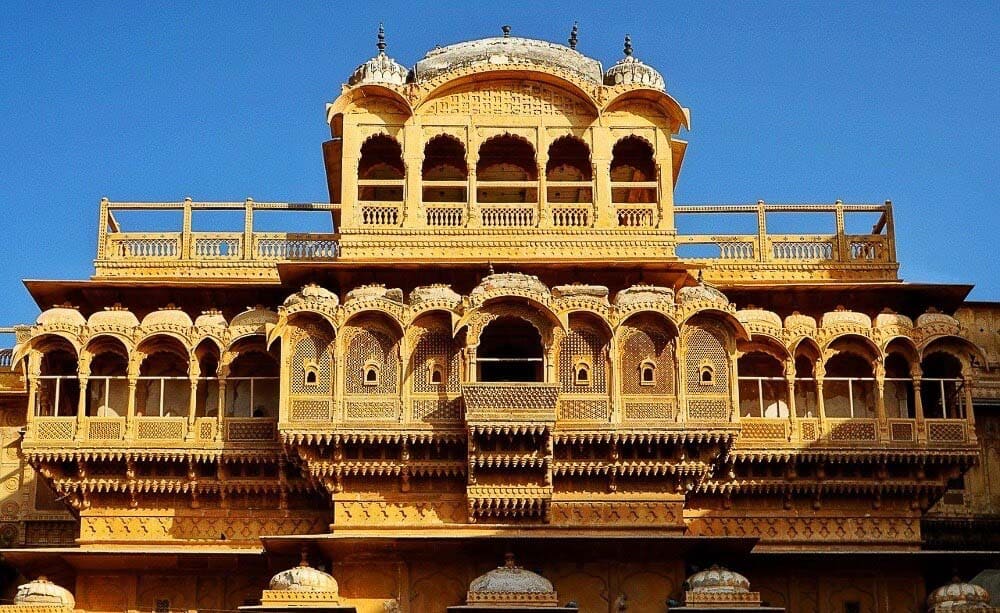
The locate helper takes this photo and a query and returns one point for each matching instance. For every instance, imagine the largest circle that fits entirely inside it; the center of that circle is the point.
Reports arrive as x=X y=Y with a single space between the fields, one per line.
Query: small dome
x=380 y=69
x=510 y=281
x=374 y=291
x=61 y=315
x=511 y=585
x=934 y=317
x=887 y=319
x=762 y=317
x=41 y=591
x=581 y=290
x=254 y=316
x=630 y=71
x=211 y=318
x=312 y=293
x=434 y=293
x=958 y=596
x=718 y=580
x=303 y=578
x=644 y=293
x=169 y=315
x=798 y=320
x=702 y=293
x=113 y=316
x=844 y=317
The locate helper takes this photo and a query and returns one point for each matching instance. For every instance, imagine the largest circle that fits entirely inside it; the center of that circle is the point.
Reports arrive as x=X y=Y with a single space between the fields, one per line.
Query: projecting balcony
x=67 y=433
x=127 y=253
x=511 y=403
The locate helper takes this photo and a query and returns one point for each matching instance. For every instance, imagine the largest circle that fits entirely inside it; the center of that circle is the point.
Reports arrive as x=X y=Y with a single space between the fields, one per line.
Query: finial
x=491 y=273
x=381 y=38
x=304 y=554
x=508 y=560
x=628 y=46
x=506 y=31
x=701 y=276
x=573 y=38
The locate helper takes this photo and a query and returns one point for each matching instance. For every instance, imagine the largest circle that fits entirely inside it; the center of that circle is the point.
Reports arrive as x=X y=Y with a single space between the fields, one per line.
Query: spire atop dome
x=630 y=71
x=506 y=31
x=381 y=38
x=628 y=46
x=573 y=36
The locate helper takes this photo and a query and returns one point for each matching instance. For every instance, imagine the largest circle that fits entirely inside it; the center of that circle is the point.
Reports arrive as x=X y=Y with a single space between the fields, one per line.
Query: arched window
x=706 y=374
x=311 y=375
x=510 y=349
x=582 y=370
x=508 y=162
x=373 y=374
x=164 y=385
x=252 y=384
x=57 y=391
x=763 y=390
x=444 y=164
x=849 y=387
x=633 y=171
x=647 y=373
x=437 y=374
x=107 y=386
x=381 y=170
x=569 y=171
x=899 y=398
x=941 y=389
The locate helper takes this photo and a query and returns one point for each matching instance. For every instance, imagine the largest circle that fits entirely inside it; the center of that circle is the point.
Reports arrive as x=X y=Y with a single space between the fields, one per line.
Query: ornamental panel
x=588 y=348
x=508 y=97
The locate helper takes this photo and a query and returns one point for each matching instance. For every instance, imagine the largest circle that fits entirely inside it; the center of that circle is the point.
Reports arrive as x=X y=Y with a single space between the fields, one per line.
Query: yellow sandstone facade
x=504 y=343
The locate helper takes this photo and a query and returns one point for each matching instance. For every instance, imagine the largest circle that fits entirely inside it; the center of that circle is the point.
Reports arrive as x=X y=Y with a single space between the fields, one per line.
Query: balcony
x=148 y=432
x=123 y=253
x=511 y=403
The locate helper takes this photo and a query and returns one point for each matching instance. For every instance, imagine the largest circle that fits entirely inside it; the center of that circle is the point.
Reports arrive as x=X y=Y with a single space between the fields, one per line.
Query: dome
x=113 y=317
x=718 y=580
x=630 y=71
x=762 y=317
x=61 y=315
x=644 y=294
x=169 y=316
x=380 y=69
x=958 y=596
x=510 y=584
x=433 y=293
x=516 y=281
x=303 y=578
x=212 y=318
x=887 y=319
x=496 y=53
x=844 y=317
x=798 y=320
x=255 y=316
x=702 y=293
x=934 y=318
x=581 y=290
x=374 y=291
x=41 y=591
x=312 y=293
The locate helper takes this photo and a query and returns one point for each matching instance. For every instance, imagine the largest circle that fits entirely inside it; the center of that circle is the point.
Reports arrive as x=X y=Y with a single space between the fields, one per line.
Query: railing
x=160 y=428
x=508 y=215
x=837 y=247
x=635 y=215
x=571 y=216
x=250 y=429
x=380 y=213
x=764 y=429
x=105 y=428
x=6 y=358
x=186 y=245
x=763 y=397
x=445 y=215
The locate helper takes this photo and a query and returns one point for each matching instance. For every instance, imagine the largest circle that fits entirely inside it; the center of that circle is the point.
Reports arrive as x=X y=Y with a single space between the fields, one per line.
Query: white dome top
x=511 y=579
x=303 y=578
x=169 y=315
x=718 y=580
x=630 y=71
x=41 y=591
x=64 y=315
x=312 y=293
x=380 y=69
x=510 y=281
x=702 y=293
x=210 y=319
x=113 y=316
x=496 y=53
x=958 y=596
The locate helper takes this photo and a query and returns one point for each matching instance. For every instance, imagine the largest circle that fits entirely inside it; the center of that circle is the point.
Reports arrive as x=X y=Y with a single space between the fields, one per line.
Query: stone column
x=918 y=408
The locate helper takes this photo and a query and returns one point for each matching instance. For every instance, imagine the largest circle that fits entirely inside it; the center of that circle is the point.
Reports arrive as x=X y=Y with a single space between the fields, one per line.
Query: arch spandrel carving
x=499 y=97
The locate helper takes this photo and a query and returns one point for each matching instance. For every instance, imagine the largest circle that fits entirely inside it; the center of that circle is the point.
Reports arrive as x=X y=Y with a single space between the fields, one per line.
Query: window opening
x=510 y=349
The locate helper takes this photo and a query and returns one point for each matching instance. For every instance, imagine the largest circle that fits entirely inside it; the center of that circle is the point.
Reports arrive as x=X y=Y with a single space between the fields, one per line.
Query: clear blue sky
x=791 y=102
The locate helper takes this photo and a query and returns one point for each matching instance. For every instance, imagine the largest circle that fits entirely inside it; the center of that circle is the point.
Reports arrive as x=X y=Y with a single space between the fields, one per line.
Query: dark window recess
x=510 y=349
x=162 y=605
x=852 y=607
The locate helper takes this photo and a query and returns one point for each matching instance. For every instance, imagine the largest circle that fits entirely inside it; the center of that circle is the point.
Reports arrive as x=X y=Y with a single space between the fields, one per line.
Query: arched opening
x=380 y=170
x=648 y=362
x=207 y=392
x=107 y=386
x=506 y=172
x=164 y=385
x=510 y=349
x=941 y=388
x=899 y=398
x=437 y=374
x=806 y=390
x=763 y=389
x=849 y=387
x=252 y=384
x=569 y=172
x=57 y=391
x=647 y=373
x=633 y=172
x=444 y=170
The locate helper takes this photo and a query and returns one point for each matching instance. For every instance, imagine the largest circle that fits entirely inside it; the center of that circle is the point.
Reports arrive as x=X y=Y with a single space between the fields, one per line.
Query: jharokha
x=508 y=376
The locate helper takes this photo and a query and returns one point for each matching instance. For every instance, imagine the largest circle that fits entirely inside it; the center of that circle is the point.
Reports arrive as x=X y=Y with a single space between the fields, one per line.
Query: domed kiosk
x=301 y=588
x=511 y=588
x=960 y=597
x=718 y=590
x=41 y=596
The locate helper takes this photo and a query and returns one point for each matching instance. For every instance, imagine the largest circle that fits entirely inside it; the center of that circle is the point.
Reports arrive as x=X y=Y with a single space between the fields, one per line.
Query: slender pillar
x=918 y=408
